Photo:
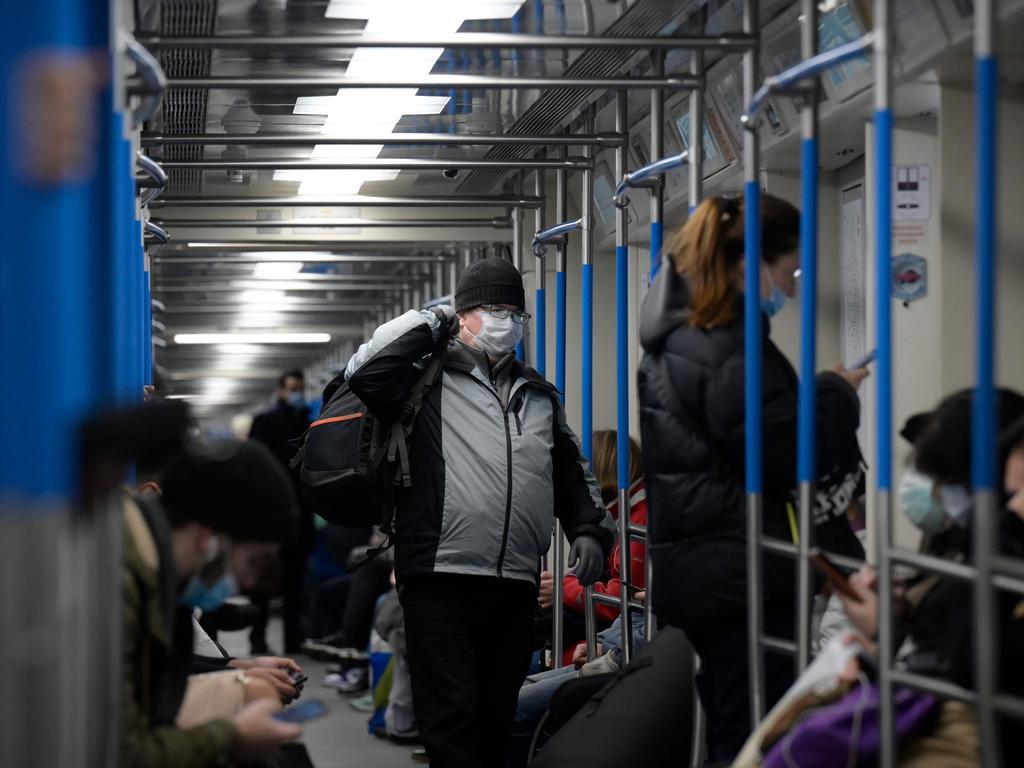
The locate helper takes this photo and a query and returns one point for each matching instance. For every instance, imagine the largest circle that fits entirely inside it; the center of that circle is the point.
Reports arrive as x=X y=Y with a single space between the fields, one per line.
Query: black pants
x=469 y=643
x=724 y=683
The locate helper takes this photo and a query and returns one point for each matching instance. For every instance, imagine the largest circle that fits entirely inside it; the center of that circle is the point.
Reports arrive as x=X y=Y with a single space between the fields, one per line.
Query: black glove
x=449 y=320
x=587 y=556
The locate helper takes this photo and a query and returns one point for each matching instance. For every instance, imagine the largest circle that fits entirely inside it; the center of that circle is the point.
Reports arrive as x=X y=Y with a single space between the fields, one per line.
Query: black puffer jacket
x=692 y=422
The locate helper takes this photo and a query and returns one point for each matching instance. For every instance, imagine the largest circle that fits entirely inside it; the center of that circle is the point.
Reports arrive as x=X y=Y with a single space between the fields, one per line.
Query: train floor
x=341 y=739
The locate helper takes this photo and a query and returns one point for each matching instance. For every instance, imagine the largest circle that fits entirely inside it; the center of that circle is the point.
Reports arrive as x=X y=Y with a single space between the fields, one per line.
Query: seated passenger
x=605 y=470
x=691 y=386
x=231 y=496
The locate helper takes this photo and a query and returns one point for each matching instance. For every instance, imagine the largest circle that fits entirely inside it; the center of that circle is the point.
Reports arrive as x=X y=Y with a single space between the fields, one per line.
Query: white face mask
x=498 y=336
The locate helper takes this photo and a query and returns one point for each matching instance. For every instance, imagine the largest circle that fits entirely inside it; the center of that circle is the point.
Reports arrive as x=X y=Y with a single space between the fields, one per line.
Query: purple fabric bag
x=826 y=737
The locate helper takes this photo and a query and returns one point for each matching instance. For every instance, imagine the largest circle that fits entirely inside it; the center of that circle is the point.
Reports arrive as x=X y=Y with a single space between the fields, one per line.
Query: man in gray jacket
x=492 y=461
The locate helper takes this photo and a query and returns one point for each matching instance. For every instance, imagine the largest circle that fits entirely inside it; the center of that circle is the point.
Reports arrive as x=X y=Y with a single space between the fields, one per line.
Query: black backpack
x=352 y=460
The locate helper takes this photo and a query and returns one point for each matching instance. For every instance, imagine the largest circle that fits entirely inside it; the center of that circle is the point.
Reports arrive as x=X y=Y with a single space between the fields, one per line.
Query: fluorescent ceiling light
x=260 y=296
x=252 y=338
x=277 y=268
x=354 y=112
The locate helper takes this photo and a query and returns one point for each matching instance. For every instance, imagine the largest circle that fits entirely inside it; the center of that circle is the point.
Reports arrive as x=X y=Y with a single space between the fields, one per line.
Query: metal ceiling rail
x=365 y=201
x=238 y=285
x=440 y=82
x=464 y=40
x=372 y=164
x=311 y=258
x=400 y=281
x=301 y=306
x=311 y=245
x=437 y=139
x=497 y=222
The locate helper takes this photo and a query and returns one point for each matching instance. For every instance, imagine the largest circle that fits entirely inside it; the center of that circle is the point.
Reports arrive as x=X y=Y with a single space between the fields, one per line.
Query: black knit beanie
x=490 y=281
x=234 y=487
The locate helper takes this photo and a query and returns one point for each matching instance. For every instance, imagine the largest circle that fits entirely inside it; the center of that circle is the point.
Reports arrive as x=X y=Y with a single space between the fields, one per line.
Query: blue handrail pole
x=883 y=381
x=752 y=371
x=622 y=374
x=561 y=199
x=984 y=423
x=587 y=351
x=657 y=150
x=553 y=233
x=696 y=154
x=517 y=240
x=540 y=327
x=587 y=294
x=806 y=399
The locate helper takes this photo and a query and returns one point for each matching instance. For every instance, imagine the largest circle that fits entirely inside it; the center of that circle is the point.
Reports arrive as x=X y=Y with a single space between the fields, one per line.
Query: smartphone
x=832 y=574
x=298 y=678
x=301 y=713
x=864 y=361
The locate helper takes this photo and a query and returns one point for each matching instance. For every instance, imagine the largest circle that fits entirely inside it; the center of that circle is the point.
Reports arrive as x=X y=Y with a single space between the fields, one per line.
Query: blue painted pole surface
x=560 y=318
x=752 y=336
x=807 y=395
x=883 y=260
x=622 y=362
x=541 y=329
x=657 y=233
x=587 y=359
x=983 y=446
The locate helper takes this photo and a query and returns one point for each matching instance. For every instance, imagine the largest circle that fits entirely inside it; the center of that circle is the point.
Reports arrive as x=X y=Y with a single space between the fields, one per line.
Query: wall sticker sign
x=909 y=277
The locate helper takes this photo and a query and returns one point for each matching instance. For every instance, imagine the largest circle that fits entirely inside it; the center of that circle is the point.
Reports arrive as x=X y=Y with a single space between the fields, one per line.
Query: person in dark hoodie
x=693 y=431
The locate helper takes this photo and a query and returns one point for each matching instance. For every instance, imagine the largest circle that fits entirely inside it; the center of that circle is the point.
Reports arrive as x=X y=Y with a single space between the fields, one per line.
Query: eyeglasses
x=522 y=318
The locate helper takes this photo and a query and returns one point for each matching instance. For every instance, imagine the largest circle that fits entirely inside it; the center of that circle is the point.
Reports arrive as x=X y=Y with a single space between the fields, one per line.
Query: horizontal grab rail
x=633 y=178
x=807 y=69
x=615 y=602
x=549 y=234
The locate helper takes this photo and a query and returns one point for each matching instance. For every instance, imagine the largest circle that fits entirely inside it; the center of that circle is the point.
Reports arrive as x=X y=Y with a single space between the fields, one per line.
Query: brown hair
x=605 y=460
x=709 y=246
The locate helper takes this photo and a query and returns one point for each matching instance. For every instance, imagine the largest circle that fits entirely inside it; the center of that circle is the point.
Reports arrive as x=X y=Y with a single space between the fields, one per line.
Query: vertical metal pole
x=806 y=397
x=695 y=158
x=883 y=382
x=657 y=152
x=587 y=273
x=453 y=278
x=438 y=274
x=541 y=302
x=517 y=243
x=984 y=417
x=752 y=371
x=622 y=375
x=561 y=200
x=587 y=351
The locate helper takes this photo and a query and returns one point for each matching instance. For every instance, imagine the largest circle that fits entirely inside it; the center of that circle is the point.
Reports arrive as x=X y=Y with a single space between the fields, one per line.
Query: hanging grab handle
x=157 y=175
x=156 y=231
x=552 y=233
x=150 y=81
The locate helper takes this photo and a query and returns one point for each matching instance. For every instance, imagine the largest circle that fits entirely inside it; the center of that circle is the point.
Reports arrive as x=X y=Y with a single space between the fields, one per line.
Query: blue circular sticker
x=909 y=277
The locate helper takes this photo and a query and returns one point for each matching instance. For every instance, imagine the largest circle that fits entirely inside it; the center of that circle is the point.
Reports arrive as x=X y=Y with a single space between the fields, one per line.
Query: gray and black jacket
x=491 y=456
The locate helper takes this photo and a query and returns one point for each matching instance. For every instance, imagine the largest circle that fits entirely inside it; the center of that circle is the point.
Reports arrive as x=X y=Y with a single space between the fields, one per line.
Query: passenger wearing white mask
x=492 y=462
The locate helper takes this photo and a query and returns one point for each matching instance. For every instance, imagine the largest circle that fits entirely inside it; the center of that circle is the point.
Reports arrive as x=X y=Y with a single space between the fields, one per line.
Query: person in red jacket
x=605 y=470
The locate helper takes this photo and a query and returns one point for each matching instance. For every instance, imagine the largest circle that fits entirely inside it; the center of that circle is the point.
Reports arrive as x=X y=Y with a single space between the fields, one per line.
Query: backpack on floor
x=352 y=460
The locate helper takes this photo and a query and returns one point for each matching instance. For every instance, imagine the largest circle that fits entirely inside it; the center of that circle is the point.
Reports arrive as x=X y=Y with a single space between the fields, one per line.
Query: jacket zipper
x=508 y=492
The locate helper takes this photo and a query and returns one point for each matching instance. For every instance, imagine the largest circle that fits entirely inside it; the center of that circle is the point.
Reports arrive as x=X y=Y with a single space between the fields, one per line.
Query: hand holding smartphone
x=301 y=713
x=833 y=575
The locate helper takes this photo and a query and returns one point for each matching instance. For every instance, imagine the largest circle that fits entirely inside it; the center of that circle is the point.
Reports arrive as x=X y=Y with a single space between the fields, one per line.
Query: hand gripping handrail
x=153 y=83
x=806 y=69
x=551 y=233
x=640 y=175
x=156 y=173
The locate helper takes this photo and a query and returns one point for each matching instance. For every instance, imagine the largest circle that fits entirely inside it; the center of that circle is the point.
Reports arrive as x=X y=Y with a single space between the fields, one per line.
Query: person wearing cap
x=492 y=461
x=226 y=497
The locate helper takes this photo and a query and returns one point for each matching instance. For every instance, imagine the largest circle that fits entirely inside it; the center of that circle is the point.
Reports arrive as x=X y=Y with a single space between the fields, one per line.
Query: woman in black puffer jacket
x=692 y=421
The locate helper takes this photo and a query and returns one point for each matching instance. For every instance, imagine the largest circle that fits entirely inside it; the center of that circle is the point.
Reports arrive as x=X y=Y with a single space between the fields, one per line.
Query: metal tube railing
x=752 y=372
x=657 y=194
x=156 y=231
x=807 y=392
x=540 y=311
x=517 y=244
x=561 y=203
x=810 y=67
x=438 y=82
x=375 y=163
x=463 y=40
x=387 y=139
x=645 y=174
x=552 y=234
x=157 y=178
x=496 y=222
x=883 y=383
x=622 y=382
x=696 y=160
x=587 y=349
x=367 y=201
x=150 y=81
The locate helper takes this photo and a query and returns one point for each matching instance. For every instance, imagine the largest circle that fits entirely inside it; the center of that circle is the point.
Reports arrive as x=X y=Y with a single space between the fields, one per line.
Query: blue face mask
x=296 y=400
x=209 y=598
x=958 y=503
x=774 y=304
x=918 y=503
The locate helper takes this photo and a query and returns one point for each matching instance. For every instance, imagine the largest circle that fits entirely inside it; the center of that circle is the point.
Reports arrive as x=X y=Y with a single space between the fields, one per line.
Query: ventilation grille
x=549 y=111
x=184 y=109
